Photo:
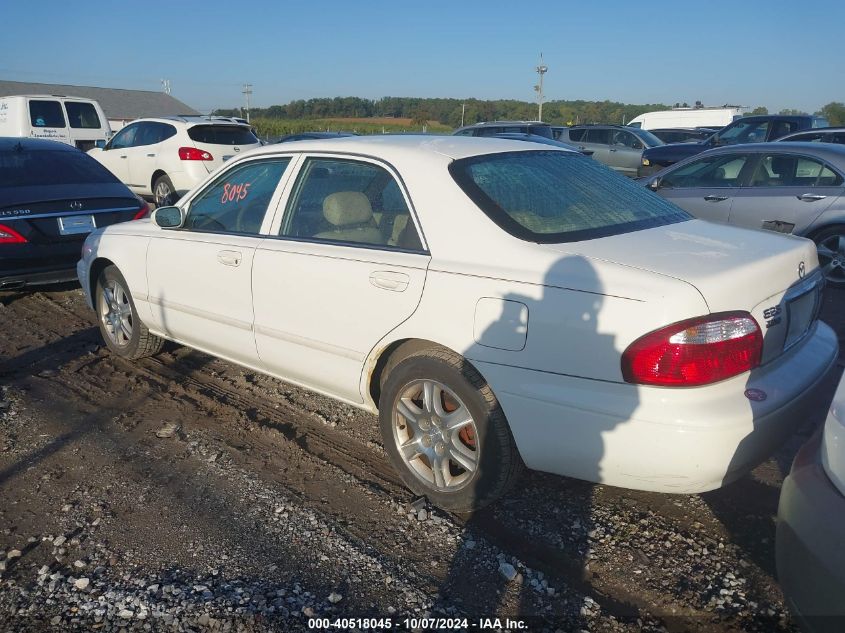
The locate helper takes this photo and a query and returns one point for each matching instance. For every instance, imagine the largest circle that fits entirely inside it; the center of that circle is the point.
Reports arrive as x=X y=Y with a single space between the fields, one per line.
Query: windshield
x=648 y=138
x=742 y=132
x=36 y=168
x=554 y=196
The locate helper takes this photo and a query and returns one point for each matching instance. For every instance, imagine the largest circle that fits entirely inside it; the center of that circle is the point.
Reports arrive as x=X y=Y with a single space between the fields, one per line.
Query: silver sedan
x=785 y=187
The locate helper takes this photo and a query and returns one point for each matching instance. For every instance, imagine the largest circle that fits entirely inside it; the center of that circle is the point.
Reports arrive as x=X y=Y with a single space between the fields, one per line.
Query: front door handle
x=124 y=156
x=811 y=197
x=151 y=155
x=613 y=150
x=389 y=280
x=230 y=258
x=715 y=198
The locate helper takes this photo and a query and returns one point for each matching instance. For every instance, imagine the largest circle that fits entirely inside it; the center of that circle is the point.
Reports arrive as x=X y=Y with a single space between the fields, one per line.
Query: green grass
x=272 y=128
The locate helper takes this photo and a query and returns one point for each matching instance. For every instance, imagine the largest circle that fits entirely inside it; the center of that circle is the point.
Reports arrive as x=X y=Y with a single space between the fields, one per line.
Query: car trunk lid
x=774 y=277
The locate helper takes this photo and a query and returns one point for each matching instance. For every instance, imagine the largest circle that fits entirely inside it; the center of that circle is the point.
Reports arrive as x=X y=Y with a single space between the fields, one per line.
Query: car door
x=707 y=186
x=114 y=156
x=200 y=275
x=625 y=152
x=346 y=267
x=145 y=161
x=597 y=141
x=786 y=193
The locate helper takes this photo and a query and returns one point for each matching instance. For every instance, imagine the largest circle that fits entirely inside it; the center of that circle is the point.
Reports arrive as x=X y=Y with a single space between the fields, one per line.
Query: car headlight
x=646 y=162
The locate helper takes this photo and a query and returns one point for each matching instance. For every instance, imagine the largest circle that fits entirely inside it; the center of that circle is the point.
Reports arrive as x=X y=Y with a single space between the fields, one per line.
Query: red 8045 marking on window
x=233 y=192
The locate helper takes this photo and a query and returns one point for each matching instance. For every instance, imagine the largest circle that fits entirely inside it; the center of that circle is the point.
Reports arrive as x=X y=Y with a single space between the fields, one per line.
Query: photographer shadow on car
x=512 y=560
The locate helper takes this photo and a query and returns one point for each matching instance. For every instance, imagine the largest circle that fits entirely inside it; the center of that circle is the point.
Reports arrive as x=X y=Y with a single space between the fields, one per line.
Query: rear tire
x=122 y=329
x=163 y=191
x=445 y=433
x=830 y=245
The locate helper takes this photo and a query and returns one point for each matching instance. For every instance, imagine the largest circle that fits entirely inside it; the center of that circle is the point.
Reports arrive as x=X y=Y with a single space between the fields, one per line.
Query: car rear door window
x=789 y=170
x=599 y=136
x=82 y=115
x=714 y=171
x=576 y=134
x=355 y=202
x=46 y=113
x=236 y=202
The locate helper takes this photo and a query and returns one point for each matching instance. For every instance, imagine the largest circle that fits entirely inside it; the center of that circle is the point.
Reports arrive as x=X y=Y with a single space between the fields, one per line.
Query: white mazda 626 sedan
x=499 y=303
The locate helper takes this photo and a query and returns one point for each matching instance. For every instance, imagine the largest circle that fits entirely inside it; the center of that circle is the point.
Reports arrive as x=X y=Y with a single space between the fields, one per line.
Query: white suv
x=164 y=156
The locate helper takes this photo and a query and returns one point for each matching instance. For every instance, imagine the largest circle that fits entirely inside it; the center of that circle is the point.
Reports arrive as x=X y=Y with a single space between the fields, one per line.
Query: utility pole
x=463 y=109
x=542 y=69
x=165 y=85
x=247 y=91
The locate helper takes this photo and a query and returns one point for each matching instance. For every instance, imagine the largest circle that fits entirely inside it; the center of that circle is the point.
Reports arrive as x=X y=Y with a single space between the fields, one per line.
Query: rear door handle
x=151 y=155
x=811 y=197
x=715 y=198
x=230 y=258
x=124 y=156
x=390 y=280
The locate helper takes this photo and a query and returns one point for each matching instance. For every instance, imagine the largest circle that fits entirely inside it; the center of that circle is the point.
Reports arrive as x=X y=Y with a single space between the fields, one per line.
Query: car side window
x=124 y=138
x=785 y=170
x=713 y=171
x=598 y=136
x=338 y=200
x=576 y=135
x=625 y=139
x=236 y=202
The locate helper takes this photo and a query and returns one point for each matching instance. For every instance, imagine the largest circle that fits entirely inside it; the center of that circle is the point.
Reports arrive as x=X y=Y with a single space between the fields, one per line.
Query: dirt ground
x=183 y=493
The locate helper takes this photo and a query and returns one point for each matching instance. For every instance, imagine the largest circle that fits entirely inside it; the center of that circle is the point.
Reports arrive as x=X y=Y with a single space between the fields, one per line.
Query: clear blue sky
x=778 y=54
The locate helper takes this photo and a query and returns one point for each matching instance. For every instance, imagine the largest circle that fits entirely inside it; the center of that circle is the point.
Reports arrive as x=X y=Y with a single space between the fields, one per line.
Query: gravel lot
x=182 y=493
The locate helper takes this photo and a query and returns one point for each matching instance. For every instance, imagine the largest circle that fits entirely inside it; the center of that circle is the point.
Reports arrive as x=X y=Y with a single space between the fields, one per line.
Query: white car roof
x=386 y=146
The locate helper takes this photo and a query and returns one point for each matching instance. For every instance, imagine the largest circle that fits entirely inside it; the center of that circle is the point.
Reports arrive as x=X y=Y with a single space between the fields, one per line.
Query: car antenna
x=18 y=147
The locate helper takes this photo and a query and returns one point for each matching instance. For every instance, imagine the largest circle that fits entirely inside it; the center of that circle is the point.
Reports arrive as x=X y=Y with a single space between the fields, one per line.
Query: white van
x=73 y=120
x=687 y=118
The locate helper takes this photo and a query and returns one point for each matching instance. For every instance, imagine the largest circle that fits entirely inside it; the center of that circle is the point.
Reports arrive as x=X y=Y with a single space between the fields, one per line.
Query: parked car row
x=665 y=353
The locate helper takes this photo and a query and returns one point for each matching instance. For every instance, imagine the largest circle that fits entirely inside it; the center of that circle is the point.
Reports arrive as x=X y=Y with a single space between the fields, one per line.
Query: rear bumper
x=34 y=264
x=810 y=544
x=659 y=439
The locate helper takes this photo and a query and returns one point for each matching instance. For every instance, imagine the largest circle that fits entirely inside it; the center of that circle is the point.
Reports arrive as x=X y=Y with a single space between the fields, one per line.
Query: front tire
x=122 y=329
x=830 y=245
x=445 y=433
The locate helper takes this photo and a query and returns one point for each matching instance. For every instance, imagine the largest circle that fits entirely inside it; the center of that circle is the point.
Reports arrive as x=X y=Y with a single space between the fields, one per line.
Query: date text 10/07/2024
x=402 y=624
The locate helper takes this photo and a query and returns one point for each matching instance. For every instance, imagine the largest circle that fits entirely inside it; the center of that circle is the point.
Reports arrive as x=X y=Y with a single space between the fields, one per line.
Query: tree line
x=454 y=112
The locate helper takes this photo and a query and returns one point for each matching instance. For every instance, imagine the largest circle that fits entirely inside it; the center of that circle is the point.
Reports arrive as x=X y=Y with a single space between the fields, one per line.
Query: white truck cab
x=73 y=120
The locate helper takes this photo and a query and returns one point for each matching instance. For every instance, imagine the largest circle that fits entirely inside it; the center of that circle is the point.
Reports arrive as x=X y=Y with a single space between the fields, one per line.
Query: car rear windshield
x=36 y=168
x=648 y=138
x=82 y=115
x=554 y=196
x=222 y=135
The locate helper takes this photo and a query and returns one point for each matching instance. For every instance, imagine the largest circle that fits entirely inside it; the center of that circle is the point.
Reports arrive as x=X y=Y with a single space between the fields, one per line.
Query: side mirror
x=637 y=145
x=654 y=184
x=169 y=217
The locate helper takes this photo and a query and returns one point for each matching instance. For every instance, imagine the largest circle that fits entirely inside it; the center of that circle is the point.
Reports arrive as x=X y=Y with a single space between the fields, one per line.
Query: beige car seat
x=351 y=215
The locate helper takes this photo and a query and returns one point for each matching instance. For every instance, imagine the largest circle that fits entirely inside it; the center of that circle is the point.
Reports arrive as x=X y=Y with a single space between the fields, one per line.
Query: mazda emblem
x=236 y=148
x=76 y=205
x=801 y=270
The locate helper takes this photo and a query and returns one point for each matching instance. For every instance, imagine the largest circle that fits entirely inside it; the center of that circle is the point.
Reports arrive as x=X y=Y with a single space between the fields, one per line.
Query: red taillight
x=9 y=235
x=192 y=153
x=143 y=212
x=694 y=352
